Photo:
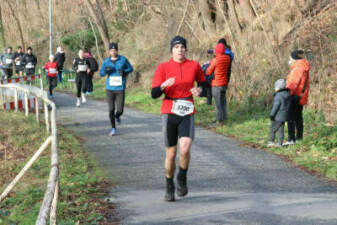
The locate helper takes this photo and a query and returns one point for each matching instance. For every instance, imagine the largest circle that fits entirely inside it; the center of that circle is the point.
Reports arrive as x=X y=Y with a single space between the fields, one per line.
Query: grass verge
x=82 y=186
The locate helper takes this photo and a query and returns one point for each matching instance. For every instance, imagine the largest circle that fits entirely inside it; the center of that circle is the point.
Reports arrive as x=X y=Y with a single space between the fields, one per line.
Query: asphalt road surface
x=228 y=184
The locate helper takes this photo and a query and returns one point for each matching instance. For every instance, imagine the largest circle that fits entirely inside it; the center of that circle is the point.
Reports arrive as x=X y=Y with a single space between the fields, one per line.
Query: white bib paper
x=115 y=81
x=30 y=65
x=52 y=70
x=18 y=63
x=182 y=107
x=82 y=68
x=9 y=61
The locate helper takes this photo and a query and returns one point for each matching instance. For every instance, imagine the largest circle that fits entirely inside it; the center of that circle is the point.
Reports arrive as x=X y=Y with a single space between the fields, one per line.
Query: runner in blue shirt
x=116 y=68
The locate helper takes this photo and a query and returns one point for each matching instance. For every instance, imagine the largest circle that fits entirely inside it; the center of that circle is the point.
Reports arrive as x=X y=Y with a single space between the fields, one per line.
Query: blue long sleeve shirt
x=229 y=52
x=114 y=76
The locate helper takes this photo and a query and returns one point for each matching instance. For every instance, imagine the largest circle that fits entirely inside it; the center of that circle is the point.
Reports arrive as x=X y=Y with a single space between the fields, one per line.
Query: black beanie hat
x=297 y=54
x=29 y=48
x=222 y=41
x=113 y=45
x=178 y=40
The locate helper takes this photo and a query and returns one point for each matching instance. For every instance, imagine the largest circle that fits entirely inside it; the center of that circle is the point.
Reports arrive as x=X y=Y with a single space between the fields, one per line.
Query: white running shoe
x=289 y=143
x=84 y=100
x=78 y=103
x=112 y=132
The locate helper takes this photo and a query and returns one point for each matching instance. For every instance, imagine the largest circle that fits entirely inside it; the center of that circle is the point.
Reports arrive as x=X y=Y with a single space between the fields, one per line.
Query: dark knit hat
x=113 y=45
x=222 y=41
x=29 y=48
x=178 y=40
x=297 y=54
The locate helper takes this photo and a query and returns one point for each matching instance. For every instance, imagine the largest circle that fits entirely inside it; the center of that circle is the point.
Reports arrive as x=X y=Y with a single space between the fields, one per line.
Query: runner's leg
x=170 y=161
x=170 y=131
x=111 y=97
x=84 y=83
x=186 y=136
x=50 y=84
x=78 y=85
x=120 y=98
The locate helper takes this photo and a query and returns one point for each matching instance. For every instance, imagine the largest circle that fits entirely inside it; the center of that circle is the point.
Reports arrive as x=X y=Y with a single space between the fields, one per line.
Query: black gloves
x=108 y=70
x=272 y=118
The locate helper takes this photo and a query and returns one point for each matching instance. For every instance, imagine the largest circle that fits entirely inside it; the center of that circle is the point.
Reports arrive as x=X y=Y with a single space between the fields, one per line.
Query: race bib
x=30 y=66
x=115 y=81
x=9 y=61
x=182 y=107
x=82 y=68
x=52 y=70
x=18 y=63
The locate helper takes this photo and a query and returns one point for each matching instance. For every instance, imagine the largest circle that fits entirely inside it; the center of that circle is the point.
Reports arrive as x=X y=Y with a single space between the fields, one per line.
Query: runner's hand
x=168 y=83
x=196 y=91
x=108 y=70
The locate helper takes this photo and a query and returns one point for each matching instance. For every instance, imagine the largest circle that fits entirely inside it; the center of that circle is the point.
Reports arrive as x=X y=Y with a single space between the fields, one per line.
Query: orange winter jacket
x=298 y=80
x=220 y=66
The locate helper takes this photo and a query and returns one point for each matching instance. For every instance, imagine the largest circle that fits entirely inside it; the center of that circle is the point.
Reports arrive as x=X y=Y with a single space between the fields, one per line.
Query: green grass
x=80 y=179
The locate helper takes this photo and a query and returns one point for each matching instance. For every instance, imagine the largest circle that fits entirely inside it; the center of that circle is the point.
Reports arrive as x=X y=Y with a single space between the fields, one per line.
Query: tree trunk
x=233 y=16
x=100 y=22
x=247 y=11
x=96 y=41
x=17 y=23
x=2 y=31
x=206 y=16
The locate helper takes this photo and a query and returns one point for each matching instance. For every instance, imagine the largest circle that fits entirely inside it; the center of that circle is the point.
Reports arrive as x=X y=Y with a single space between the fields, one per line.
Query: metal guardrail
x=50 y=200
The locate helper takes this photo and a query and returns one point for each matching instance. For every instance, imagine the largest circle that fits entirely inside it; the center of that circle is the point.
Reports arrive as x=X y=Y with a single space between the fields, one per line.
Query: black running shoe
x=182 y=189
x=169 y=195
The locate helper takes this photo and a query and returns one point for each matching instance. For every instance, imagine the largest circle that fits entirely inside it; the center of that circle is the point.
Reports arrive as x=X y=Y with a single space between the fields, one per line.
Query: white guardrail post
x=48 y=208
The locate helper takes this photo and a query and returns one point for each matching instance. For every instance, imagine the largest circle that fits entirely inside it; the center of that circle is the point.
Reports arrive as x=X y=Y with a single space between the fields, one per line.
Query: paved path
x=228 y=184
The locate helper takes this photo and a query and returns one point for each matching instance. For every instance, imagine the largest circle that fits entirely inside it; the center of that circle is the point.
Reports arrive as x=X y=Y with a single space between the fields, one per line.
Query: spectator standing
x=60 y=58
x=298 y=83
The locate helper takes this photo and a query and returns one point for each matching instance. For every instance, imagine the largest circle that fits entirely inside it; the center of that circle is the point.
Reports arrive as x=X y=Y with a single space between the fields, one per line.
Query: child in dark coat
x=279 y=113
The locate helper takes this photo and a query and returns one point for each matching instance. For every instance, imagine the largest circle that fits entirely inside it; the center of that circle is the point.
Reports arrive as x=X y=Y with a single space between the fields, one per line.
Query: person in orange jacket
x=298 y=84
x=220 y=66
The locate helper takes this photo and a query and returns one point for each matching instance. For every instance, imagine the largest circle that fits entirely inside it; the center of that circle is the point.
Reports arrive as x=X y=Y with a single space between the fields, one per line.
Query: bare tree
x=2 y=31
x=233 y=16
x=206 y=16
x=247 y=11
x=18 y=23
x=96 y=41
x=99 y=19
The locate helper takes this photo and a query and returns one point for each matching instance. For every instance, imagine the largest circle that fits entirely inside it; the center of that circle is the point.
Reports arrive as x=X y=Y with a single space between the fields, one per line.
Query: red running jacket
x=185 y=73
x=51 y=68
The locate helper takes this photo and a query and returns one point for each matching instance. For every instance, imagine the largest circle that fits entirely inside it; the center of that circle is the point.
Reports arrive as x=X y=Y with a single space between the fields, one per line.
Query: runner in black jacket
x=29 y=61
x=18 y=61
x=82 y=68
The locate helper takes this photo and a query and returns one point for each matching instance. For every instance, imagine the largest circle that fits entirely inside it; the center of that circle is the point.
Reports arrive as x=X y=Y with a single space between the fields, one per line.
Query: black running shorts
x=177 y=126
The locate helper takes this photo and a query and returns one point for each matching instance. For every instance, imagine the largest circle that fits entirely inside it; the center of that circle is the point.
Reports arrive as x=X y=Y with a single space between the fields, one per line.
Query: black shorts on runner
x=175 y=127
x=18 y=70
